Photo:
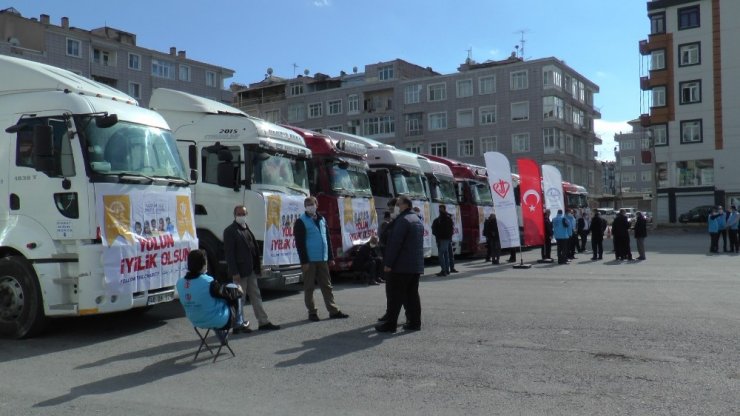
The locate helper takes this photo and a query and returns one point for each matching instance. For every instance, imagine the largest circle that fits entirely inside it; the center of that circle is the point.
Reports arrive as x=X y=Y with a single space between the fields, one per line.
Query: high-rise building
x=109 y=56
x=691 y=101
x=540 y=109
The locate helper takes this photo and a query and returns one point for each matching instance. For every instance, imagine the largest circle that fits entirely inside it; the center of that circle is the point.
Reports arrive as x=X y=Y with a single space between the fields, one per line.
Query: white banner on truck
x=483 y=213
x=279 y=245
x=453 y=210
x=358 y=219
x=147 y=236
x=425 y=213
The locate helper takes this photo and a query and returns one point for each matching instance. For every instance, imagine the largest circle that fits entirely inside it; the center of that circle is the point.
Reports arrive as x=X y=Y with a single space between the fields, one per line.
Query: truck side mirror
x=43 y=149
x=106 y=121
x=192 y=157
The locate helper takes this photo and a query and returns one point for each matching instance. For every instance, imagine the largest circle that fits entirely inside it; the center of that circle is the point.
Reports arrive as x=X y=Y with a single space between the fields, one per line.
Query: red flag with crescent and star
x=530 y=194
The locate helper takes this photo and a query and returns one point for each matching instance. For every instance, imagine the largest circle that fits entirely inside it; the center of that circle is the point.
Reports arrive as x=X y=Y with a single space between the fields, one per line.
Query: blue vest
x=560 y=230
x=316 y=246
x=202 y=309
x=572 y=221
x=733 y=220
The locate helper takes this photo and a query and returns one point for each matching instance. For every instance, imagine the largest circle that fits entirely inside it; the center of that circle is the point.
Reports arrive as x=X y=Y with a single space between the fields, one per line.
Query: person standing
x=584 y=223
x=597 y=228
x=560 y=226
x=442 y=228
x=621 y=235
x=713 y=227
x=493 y=244
x=546 y=250
x=314 y=250
x=722 y=223
x=243 y=260
x=404 y=264
x=732 y=223
x=640 y=235
x=572 y=234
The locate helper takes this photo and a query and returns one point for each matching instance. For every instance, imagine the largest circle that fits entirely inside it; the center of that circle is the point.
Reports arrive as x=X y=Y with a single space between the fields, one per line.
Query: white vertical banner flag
x=552 y=187
x=502 y=190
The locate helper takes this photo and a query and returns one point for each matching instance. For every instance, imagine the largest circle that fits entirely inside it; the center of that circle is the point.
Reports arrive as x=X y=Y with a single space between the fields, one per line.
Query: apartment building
x=540 y=109
x=634 y=167
x=110 y=56
x=692 y=98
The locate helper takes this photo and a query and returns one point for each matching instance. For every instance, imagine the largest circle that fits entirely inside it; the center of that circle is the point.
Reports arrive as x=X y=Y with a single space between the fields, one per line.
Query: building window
x=438 y=149
x=385 y=72
x=163 y=69
x=553 y=108
x=487 y=114
x=315 y=110
x=657 y=23
x=412 y=94
x=645 y=176
x=658 y=96
x=134 y=61
x=520 y=143
x=488 y=144
x=552 y=139
x=413 y=148
x=335 y=128
x=353 y=104
x=438 y=121
x=688 y=17
x=627 y=145
x=296 y=88
x=551 y=77
x=519 y=80
x=660 y=134
x=691 y=131
x=689 y=54
x=690 y=91
x=627 y=161
x=465 y=118
x=657 y=60
x=74 y=48
x=465 y=148
x=464 y=88
x=334 y=107
x=296 y=112
x=134 y=89
x=413 y=124
x=520 y=111
x=103 y=57
x=629 y=177
x=273 y=116
x=184 y=73
x=437 y=92
x=374 y=126
x=211 y=79
x=695 y=172
x=487 y=85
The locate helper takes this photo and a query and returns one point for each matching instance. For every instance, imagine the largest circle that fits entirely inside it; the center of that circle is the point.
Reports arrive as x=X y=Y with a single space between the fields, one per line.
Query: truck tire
x=21 y=302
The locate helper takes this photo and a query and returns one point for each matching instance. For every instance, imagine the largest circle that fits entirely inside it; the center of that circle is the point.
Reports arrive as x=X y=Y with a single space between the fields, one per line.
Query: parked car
x=607 y=214
x=696 y=214
x=648 y=216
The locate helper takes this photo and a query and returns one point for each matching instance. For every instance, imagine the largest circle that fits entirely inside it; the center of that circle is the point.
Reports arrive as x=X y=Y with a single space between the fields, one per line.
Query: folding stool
x=221 y=334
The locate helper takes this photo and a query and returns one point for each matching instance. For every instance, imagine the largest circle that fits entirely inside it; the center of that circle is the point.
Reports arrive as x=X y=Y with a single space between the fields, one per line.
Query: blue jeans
x=452 y=255
x=443 y=253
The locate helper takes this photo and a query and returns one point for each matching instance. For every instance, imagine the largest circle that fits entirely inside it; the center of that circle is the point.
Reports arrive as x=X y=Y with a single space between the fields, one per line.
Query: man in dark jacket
x=442 y=228
x=640 y=234
x=314 y=250
x=243 y=260
x=369 y=262
x=583 y=224
x=546 y=250
x=404 y=264
x=493 y=244
x=621 y=235
x=597 y=228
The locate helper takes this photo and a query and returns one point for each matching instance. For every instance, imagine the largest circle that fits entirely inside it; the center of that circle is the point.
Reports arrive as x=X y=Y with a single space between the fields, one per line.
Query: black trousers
x=723 y=233
x=733 y=241
x=583 y=236
x=714 y=242
x=403 y=290
x=493 y=249
x=597 y=247
x=572 y=243
x=546 y=249
x=562 y=245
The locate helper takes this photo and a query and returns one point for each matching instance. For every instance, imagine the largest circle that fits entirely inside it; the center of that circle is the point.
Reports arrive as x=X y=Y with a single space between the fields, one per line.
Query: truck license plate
x=159 y=298
x=289 y=280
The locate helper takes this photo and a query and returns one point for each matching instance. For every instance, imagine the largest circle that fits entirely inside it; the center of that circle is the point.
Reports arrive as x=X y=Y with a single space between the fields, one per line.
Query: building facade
x=539 y=109
x=634 y=168
x=109 y=56
x=691 y=102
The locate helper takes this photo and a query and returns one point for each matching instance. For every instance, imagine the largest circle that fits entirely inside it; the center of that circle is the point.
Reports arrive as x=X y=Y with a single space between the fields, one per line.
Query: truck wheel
x=21 y=303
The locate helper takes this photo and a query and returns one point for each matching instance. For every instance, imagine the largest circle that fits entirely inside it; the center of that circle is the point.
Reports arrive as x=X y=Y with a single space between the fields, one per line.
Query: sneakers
x=243 y=328
x=269 y=327
x=313 y=317
x=338 y=315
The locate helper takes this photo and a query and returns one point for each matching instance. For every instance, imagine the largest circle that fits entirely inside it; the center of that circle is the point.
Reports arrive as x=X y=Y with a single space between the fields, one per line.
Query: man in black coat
x=640 y=235
x=442 y=228
x=597 y=228
x=546 y=250
x=493 y=244
x=404 y=264
x=243 y=260
x=620 y=233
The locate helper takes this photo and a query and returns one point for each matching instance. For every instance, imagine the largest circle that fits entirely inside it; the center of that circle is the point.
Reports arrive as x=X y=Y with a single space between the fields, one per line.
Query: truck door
x=222 y=176
x=45 y=186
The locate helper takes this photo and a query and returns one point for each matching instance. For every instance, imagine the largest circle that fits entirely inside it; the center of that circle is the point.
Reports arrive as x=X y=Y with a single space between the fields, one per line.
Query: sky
x=597 y=38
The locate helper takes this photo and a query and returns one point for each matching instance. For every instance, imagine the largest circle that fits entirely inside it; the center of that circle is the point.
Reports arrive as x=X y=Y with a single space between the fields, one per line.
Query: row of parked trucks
x=83 y=163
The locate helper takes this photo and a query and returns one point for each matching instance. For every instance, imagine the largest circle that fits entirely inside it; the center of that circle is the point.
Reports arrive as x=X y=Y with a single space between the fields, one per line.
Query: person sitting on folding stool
x=207 y=302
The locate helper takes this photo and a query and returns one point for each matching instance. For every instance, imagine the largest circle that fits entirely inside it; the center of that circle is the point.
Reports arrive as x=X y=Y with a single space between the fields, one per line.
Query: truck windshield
x=408 y=183
x=289 y=174
x=351 y=180
x=445 y=191
x=131 y=149
x=481 y=193
x=576 y=200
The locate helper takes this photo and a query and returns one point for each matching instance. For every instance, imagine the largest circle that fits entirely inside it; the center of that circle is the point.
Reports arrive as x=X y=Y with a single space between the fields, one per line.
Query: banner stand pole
x=521 y=264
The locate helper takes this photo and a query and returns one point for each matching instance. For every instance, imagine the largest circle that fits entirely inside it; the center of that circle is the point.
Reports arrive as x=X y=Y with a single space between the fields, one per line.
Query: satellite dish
x=269 y=71
x=306 y=72
x=354 y=69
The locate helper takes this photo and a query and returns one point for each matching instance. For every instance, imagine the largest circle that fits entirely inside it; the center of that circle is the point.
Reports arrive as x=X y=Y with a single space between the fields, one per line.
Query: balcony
x=644 y=83
x=645 y=120
x=654 y=42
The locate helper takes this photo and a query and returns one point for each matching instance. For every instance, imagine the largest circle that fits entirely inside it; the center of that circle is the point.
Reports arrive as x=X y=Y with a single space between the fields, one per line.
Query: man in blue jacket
x=560 y=230
x=314 y=250
x=732 y=223
x=404 y=264
x=713 y=227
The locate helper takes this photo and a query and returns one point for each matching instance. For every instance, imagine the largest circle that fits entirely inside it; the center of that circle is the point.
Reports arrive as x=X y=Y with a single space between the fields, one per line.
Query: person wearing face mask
x=243 y=260
x=314 y=250
x=208 y=303
x=369 y=262
x=404 y=264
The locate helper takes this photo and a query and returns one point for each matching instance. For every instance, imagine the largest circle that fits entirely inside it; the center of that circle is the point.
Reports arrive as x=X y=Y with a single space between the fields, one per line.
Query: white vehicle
x=242 y=160
x=440 y=189
x=394 y=173
x=84 y=167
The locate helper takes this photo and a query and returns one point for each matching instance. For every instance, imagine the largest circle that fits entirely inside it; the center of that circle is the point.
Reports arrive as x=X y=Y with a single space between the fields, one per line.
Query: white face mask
x=241 y=220
x=311 y=209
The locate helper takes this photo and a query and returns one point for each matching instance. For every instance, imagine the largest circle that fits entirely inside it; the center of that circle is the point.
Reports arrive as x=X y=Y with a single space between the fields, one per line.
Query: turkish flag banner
x=530 y=191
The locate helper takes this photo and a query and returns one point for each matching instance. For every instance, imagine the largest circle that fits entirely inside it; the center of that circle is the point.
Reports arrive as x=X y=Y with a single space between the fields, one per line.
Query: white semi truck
x=97 y=213
x=242 y=160
x=440 y=189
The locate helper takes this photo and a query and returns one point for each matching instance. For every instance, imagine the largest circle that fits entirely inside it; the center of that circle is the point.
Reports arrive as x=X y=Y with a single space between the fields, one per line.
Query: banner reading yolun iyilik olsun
x=359 y=221
x=146 y=234
x=282 y=213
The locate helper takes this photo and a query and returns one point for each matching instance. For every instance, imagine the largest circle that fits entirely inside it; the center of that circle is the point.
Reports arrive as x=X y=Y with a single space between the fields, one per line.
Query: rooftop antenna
x=295 y=66
x=470 y=55
x=522 y=41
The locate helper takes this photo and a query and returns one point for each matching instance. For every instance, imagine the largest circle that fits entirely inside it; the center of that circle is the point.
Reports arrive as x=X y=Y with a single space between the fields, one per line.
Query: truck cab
x=440 y=189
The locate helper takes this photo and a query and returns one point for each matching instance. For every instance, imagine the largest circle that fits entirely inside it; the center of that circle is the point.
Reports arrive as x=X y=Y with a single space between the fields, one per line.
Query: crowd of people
x=723 y=224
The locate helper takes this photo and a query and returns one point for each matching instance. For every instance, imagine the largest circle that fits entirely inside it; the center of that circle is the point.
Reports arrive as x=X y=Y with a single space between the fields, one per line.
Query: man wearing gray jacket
x=404 y=264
